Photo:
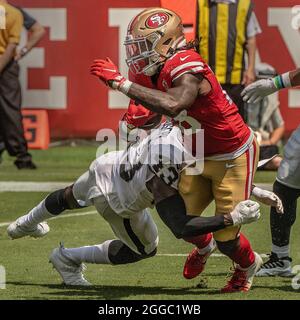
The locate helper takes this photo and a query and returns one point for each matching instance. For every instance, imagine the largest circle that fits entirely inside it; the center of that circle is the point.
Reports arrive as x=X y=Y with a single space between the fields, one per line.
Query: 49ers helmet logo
x=157 y=20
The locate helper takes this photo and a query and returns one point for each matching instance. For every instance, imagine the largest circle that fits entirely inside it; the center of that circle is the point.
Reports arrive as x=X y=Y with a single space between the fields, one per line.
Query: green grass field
x=30 y=276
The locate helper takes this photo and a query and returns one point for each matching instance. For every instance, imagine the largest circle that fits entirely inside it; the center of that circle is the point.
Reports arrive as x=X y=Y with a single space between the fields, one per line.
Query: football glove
x=268 y=198
x=258 y=90
x=109 y=74
x=245 y=212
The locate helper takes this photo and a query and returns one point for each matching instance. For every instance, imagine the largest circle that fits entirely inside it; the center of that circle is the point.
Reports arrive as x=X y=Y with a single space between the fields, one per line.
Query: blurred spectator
x=266 y=120
x=228 y=29
x=35 y=33
x=11 y=127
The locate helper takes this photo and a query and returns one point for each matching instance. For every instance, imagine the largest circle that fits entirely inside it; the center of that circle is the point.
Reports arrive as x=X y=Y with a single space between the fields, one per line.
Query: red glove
x=107 y=72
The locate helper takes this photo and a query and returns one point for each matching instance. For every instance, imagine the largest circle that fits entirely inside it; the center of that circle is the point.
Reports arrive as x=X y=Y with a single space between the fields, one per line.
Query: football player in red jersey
x=167 y=76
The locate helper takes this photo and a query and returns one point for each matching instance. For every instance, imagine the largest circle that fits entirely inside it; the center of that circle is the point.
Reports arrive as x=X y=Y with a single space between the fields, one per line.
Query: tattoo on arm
x=172 y=102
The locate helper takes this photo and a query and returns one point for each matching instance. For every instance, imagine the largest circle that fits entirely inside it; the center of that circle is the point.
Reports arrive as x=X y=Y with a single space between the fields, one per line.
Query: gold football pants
x=226 y=182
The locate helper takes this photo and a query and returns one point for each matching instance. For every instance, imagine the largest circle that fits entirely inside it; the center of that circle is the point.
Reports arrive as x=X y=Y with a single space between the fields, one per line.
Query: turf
x=30 y=276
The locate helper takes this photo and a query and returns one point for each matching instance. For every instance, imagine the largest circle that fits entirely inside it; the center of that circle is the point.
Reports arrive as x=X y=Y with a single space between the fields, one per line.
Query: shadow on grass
x=109 y=292
x=114 y=292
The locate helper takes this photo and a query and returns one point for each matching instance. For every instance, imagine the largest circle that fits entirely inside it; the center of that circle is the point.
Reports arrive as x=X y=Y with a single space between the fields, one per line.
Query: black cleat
x=29 y=165
x=276 y=267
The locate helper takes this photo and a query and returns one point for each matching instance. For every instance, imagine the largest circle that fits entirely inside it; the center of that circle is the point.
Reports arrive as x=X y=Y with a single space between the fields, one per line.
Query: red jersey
x=225 y=132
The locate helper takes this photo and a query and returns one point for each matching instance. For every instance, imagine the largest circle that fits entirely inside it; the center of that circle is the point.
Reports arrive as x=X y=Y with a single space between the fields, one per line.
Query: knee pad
x=119 y=253
x=61 y=200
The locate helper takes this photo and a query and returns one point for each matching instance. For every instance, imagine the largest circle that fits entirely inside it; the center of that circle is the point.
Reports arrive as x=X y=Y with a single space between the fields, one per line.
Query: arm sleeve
x=172 y=212
x=253 y=27
x=194 y=67
x=29 y=21
x=184 y=62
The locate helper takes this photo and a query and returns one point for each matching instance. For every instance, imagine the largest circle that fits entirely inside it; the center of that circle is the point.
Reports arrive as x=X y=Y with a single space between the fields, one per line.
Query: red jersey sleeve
x=185 y=61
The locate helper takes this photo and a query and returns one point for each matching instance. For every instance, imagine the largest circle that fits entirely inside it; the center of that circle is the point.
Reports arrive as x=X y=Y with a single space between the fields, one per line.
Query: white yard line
x=215 y=255
x=31 y=186
x=82 y=214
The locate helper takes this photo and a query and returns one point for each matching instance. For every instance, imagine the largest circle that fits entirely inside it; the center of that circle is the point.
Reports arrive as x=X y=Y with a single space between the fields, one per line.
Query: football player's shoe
x=70 y=271
x=241 y=280
x=195 y=262
x=245 y=212
x=16 y=231
x=276 y=267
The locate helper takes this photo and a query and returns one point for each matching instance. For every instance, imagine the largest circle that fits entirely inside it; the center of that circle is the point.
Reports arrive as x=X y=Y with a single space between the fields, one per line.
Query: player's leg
x=197 y=195
x=72 y=197
x=287 y=187
x=138 y=233
x=279 y=263
x=137 y=239
x=232 y=183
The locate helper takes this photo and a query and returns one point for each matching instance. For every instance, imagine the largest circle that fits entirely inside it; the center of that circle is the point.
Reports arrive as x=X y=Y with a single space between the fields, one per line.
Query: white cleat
x=70 y=271
x=16 y=231
x=245 y=212
x=275 y=266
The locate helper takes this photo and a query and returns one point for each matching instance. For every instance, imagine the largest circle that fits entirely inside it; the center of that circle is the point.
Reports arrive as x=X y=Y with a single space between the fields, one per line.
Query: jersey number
x=128 y=174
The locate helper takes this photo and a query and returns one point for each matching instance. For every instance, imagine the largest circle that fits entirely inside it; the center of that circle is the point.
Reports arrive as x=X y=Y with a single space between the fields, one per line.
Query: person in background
x=13 y=138
x=287 y=184
x=35 y=33
x=227 y=30
x=266 y=121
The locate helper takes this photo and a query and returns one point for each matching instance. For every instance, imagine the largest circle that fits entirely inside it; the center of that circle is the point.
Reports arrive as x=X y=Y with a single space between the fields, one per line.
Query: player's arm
x=268 y=198
x=275 y=137
x=295 y=77
x=7 y=56
x=36 y=33
x=258 y=90
x=249 y=75
x=181 y=96
x=171 y=209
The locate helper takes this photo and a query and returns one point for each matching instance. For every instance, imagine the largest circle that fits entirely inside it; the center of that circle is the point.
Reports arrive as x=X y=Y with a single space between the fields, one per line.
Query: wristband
x=125 y=86
x=282 y=81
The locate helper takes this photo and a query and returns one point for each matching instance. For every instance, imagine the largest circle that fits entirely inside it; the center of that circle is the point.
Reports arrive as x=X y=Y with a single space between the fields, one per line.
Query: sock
x=281 y=252
x=91 y=254
x=36 y=215
x=239 y=250
x=204 y=243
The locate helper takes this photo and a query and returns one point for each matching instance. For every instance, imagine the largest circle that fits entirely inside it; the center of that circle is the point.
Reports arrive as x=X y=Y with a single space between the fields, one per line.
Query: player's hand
x=245 y=212
x=258 y=90
x=268 y=198
x=108 y=73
